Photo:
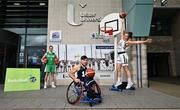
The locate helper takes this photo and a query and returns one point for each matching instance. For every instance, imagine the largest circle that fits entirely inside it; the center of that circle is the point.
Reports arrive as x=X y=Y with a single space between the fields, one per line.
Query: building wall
x=80 y=34
x=169 y=44
x=164 y=44
x=57 y=19
x=171 y=3
x=139 y=75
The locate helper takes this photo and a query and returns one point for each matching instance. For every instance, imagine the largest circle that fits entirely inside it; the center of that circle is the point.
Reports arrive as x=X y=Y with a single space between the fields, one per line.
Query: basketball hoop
x=106 y=33
x=106 y=30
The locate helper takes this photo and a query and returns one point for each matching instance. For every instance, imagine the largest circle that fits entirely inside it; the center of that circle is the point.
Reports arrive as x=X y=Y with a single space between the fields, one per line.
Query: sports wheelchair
x=79 y=92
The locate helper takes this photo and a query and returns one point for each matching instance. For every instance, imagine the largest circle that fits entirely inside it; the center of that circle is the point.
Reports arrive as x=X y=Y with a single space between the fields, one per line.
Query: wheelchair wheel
x=74 y=92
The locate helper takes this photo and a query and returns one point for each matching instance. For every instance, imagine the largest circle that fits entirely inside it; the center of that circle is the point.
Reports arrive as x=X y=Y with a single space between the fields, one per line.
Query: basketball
x=45 y=60
x=56 y=61
x=122 y=14
x=90 y=72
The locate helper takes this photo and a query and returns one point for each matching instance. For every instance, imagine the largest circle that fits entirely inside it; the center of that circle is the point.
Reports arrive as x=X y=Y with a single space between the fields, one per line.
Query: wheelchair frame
x=79 y=94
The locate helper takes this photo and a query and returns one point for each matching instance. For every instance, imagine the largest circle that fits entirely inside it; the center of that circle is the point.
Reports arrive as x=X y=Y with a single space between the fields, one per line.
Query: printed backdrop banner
x=101 y=59
x=22 y=79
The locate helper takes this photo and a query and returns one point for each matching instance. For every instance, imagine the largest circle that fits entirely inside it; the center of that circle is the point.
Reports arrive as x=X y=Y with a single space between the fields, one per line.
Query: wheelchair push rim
x=74 y=92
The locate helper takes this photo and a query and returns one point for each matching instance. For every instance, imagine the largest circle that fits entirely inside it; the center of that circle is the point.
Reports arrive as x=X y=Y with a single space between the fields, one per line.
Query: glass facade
x=28 y=18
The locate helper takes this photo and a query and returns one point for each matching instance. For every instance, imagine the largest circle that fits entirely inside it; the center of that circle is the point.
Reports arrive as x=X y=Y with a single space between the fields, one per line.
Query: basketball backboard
x=111 y=20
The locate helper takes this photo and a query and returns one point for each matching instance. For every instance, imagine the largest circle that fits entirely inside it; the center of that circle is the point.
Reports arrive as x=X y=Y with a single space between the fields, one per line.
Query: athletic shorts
x=122 y=59
x=50 y=68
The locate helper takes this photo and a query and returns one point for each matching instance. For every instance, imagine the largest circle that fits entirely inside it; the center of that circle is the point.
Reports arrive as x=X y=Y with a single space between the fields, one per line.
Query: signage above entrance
x=84 y=16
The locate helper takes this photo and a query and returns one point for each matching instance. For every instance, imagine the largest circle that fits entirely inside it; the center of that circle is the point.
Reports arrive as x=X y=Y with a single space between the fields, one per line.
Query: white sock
x=129 y=81
x=119 y=79
x=53 y=83
x=45 y=85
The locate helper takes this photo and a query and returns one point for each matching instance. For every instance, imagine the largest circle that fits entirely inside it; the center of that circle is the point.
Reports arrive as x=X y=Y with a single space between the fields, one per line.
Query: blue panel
x=128 y=5
x=144 y=1
x=142 y=20
x=139 y=16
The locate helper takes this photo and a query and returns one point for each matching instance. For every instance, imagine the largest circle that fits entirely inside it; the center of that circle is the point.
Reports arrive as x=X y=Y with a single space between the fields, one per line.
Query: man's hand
x=148 y=40
x=122 y=20
x=77 y=80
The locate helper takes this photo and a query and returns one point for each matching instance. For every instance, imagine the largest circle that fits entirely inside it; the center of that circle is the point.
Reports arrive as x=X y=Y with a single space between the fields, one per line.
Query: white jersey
x=122 y=57
x=121 y=46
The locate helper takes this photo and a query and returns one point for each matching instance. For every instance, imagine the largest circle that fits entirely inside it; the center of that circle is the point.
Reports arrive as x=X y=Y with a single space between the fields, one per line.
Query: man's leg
x=120 y=61
x=53 y=80
x=88 y=84
x=53 y=69
x=46 y=80
x=130 y=83
x=118 y=75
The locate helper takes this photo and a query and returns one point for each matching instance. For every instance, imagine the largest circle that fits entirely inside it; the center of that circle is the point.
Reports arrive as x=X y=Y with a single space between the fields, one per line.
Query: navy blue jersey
x=81 y=74
x=88 y=82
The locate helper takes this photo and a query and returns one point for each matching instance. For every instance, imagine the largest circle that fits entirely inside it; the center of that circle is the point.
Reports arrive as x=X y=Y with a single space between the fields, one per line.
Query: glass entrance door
x=8 y=59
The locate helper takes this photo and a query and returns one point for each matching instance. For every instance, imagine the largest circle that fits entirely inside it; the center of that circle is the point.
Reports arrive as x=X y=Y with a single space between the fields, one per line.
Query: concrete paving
x=167 y=88
x=46 y=99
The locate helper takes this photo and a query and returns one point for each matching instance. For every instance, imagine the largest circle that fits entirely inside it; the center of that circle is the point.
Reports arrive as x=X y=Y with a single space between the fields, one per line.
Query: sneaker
x=53 y=86
x=45 y=86
x=129 y=85
x=117 y=84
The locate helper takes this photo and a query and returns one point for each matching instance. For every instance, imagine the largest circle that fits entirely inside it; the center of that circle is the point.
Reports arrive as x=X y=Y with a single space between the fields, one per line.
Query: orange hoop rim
x=108 y=30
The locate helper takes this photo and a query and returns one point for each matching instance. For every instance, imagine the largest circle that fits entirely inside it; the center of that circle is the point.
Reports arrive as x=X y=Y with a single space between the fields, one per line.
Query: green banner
x=21 y=79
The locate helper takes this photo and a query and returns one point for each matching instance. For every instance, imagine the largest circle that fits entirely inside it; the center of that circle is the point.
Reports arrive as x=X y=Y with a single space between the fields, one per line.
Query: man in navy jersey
x=80 y=69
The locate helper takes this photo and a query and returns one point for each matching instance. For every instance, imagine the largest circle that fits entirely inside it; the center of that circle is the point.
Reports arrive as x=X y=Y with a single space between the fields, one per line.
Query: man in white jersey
x=122 y=57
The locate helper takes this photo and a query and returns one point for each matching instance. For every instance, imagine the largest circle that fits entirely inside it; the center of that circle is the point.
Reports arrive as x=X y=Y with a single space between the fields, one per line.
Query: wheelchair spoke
x=73 y=97
x=74 y=93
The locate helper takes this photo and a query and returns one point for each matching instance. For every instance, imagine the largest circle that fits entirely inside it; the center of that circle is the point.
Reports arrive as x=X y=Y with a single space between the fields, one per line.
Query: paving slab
x=52 y=99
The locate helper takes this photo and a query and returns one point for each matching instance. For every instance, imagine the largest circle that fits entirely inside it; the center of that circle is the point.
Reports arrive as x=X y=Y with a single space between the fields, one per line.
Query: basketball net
x=106 y=33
